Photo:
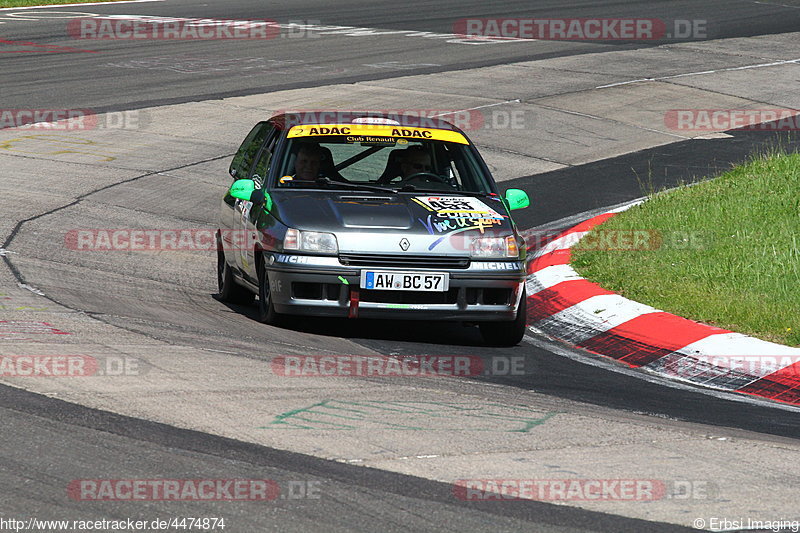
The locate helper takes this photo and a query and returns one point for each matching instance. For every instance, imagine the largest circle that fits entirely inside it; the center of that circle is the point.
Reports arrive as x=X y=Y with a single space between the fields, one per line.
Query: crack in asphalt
x=20 y=278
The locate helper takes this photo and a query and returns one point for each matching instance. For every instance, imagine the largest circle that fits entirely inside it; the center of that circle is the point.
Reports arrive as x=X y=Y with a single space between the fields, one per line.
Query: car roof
x=421 y=120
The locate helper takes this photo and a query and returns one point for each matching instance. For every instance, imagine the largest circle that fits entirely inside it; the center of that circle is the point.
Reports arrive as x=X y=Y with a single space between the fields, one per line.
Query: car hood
x=356 y=211
x=423 y=214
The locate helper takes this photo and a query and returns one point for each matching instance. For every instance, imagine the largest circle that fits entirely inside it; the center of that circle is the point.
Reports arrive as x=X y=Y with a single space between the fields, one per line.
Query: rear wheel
x=507 y=333
x=266 y=310
x=229 y=290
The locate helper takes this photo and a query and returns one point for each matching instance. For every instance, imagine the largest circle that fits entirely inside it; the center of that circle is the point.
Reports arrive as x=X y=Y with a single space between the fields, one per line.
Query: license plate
x=388 y=280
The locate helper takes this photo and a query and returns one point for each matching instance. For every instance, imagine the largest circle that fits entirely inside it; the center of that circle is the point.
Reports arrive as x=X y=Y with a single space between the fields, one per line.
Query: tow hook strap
x=353 y=303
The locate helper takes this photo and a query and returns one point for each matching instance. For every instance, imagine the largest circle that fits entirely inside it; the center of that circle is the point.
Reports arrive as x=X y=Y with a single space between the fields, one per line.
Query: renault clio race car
x=358 y=215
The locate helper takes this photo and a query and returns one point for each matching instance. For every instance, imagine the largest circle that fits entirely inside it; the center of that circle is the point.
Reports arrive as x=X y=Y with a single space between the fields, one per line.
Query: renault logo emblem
x=404 y=244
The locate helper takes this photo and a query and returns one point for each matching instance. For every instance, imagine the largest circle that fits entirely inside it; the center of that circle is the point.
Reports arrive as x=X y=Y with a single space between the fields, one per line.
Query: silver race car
x=374 y=216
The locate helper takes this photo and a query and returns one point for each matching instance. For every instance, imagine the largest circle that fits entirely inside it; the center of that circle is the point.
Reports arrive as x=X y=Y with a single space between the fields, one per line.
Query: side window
x=450 y=166
x=264 y=158
x=243 y=160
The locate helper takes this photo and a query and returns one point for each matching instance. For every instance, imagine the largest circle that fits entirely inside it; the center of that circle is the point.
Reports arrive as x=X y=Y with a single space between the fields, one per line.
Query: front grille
x=409 y=297
x=403 y=261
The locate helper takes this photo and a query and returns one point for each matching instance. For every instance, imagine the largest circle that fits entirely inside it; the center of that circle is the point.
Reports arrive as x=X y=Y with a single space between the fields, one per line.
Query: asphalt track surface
x=364 y=499
x=127 y=75
x=350 y=498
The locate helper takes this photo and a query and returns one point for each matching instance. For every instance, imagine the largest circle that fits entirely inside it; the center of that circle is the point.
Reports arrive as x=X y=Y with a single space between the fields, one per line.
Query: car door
x=241 y=164
x=243 y=211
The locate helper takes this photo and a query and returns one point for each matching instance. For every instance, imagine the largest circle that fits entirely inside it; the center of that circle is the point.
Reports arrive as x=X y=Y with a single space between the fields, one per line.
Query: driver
x=413 y=161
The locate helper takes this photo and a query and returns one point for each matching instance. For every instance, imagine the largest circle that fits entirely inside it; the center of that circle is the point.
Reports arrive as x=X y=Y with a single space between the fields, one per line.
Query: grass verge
x=725 y=252
x=28 y=3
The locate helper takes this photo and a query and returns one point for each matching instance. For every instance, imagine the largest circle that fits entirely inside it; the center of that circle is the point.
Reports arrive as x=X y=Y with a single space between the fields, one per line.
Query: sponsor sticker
x=377 y=130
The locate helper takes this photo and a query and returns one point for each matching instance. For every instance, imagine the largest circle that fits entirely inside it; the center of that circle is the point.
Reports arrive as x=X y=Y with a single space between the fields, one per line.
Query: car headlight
x=310 y=241
x=494 y=247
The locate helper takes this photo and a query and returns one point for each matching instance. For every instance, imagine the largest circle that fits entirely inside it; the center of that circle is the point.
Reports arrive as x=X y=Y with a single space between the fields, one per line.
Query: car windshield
x=392 y=163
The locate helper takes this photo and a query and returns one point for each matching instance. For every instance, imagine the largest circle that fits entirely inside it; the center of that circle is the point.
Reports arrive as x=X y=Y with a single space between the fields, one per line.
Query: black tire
x=266 y=311
x=229 y=290
x=507 y=333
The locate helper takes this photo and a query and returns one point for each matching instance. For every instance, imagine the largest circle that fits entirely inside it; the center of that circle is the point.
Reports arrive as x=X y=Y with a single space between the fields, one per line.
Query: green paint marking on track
x=345 y=408
x=412 y=416
x=288 y=419
x=334 y=415
x=533 y=423
x=297 y=412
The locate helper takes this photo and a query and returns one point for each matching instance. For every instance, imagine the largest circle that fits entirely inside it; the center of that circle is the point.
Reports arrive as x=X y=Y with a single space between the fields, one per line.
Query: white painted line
x=79 y=5
x=515 y=101
x=398 y=65
x=27 y=287
x=624 y=83
x=700 y=73
x=771 y=4
x=573 y=220
x=715 y=135
x=627 y=206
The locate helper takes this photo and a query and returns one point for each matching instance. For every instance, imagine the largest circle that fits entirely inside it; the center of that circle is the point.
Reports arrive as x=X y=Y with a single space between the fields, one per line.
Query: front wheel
x=507 y=333
x=266 y=309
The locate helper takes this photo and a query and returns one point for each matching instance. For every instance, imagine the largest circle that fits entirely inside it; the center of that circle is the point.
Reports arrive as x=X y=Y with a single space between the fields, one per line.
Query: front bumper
x=322 y=286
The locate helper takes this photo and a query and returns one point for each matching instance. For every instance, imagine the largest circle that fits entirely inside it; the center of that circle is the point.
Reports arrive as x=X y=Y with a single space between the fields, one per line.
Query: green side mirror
x=242 y=189
x=517 y=199
x=246 y=190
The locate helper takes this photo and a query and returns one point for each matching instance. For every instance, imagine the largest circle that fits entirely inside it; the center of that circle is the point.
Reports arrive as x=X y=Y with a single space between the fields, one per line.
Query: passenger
x=308 y=162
